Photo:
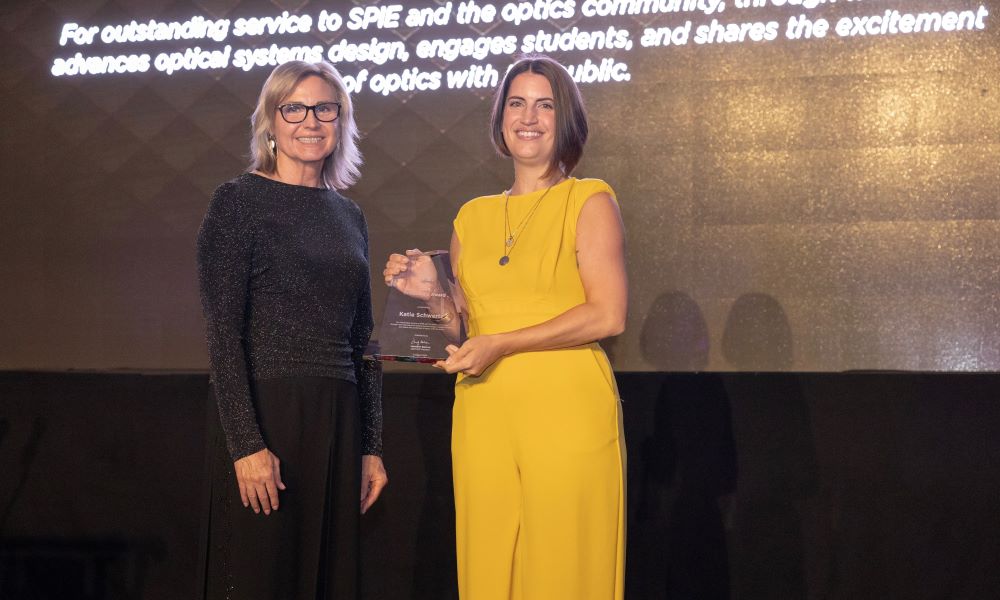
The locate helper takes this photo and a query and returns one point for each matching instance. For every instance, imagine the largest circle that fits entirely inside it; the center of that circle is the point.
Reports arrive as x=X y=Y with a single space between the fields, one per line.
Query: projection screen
x=806 y=185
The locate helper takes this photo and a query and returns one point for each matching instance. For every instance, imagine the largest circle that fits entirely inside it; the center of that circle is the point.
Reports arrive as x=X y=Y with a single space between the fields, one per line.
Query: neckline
x=540 y=191
x=290 y=185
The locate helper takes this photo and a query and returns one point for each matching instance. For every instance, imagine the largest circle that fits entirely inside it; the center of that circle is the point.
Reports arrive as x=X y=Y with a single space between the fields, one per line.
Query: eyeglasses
x=326 y=112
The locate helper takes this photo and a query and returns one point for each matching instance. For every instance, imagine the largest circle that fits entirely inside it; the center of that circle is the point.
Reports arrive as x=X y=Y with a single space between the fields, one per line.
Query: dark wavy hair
x=571 y=115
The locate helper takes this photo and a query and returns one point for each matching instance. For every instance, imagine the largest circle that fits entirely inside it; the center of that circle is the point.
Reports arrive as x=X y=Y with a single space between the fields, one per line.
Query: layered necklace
x=512 y=236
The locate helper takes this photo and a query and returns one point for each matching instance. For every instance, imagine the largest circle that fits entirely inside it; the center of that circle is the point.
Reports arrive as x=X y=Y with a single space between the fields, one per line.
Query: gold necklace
x=512 y=236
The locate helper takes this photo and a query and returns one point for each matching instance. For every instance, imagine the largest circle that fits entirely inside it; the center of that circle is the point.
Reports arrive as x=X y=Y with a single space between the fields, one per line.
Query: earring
x=272 y=145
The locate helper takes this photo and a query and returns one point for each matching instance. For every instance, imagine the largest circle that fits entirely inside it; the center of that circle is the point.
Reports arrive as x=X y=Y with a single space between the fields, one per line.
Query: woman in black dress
x=283 y=271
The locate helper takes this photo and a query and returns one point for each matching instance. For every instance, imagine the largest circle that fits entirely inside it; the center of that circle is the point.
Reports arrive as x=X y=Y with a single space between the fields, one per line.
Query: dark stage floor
x=772 y=486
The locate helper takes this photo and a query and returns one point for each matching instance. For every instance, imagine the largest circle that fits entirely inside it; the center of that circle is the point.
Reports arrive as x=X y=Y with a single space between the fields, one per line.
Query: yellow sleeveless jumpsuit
x=537 y=445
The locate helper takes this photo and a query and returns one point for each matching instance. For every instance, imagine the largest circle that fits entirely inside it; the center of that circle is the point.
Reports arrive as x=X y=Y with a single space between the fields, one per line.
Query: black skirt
x=308 y=548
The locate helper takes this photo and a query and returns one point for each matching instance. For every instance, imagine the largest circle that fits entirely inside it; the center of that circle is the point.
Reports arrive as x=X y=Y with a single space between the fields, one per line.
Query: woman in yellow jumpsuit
x=537 y=444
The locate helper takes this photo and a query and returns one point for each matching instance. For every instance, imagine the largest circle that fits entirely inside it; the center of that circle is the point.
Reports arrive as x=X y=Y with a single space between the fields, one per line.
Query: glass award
x=423 y=312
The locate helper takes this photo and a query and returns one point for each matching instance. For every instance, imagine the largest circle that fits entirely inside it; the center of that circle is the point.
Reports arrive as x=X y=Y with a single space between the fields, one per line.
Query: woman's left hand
x=474 y=357
x=373 y=479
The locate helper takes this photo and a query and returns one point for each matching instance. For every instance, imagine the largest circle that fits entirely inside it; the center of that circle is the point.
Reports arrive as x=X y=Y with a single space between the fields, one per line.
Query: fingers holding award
x=423 y=311
x=416 y=274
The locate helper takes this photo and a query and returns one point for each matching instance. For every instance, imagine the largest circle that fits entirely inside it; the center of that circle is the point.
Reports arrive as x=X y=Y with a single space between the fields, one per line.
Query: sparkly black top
x=285 y=288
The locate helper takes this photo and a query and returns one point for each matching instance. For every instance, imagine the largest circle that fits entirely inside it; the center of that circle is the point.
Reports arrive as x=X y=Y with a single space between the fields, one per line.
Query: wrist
x=504 y=342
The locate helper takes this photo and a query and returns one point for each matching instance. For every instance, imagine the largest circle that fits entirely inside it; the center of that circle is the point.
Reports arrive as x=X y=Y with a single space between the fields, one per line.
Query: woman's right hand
x=412 y=274
x=259 y=478
x=396 y=264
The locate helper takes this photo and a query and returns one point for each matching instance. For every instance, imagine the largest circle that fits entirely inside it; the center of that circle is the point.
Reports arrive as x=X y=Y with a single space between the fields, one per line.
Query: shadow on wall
x=777 y=461
x=674 y=336
x=686 y=465
x=779 y=480
x=434 y=570
x=683 y=492
x=757 y=336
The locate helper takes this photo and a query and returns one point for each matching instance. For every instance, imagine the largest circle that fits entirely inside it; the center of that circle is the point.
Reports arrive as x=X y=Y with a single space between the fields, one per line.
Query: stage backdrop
x=807 y=185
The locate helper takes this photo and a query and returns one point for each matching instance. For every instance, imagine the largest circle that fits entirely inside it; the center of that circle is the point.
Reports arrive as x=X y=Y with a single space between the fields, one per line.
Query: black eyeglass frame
x=281 y=111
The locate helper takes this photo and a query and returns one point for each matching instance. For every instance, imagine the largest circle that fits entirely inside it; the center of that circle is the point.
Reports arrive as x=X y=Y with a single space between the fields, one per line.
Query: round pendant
x=504 y=260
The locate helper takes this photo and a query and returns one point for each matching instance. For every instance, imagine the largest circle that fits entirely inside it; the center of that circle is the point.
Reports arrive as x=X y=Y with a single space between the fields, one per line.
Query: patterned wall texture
x=816 y=205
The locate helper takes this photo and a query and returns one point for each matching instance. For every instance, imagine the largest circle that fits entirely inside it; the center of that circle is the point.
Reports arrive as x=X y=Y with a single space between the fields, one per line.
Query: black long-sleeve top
x=286 y=291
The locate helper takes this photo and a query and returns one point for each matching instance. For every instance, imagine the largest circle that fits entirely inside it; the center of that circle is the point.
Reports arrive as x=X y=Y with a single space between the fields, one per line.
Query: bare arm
x=600 y=242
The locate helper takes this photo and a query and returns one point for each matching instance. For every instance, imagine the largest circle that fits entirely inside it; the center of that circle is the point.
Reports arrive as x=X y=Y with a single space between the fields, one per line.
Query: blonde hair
x=343 y=167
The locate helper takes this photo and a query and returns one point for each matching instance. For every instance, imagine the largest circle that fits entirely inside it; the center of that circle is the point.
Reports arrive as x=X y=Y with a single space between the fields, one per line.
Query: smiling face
x=305 y=144
x=529 y=120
